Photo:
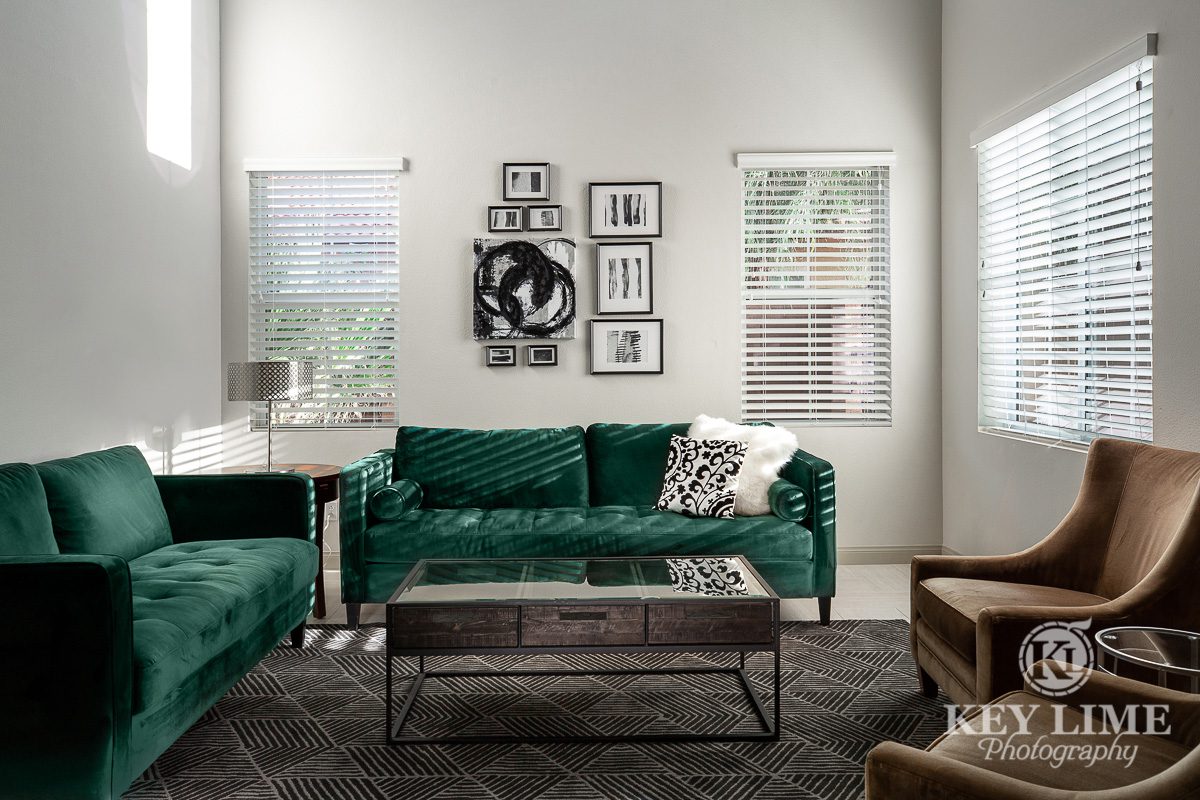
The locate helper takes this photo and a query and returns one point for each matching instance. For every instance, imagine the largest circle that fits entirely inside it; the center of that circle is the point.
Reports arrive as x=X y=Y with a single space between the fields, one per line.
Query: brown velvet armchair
x=1126 y=553
x=966 y=763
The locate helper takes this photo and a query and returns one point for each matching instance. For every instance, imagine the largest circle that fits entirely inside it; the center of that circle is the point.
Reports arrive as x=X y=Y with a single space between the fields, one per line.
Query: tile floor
x=864 y=591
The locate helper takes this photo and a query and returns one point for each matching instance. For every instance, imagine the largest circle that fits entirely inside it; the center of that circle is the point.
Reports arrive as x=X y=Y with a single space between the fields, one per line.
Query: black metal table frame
x=395 y=722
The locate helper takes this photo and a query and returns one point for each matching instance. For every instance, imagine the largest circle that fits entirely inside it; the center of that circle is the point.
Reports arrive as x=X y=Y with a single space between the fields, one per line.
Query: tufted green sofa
x=563 y=493
x=134 y=602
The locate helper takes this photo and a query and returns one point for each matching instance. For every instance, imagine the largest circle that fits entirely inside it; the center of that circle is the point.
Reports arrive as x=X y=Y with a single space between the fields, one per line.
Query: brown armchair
x=965 y=764
x=1126 y=553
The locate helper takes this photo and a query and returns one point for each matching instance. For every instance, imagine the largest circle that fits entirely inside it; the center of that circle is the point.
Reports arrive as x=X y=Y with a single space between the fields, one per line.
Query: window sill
x=1044 y=441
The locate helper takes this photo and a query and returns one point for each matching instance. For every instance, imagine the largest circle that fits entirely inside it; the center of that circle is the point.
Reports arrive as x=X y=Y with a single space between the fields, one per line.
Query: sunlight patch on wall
x=169 y=80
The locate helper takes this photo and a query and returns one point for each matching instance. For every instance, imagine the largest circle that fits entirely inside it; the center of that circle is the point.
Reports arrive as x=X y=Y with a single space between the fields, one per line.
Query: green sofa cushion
x=580 y=532
x=626 y=463
x=25 y=526
x=105 y=503
x=193 y=600
x=395 y=500
x=525 y=468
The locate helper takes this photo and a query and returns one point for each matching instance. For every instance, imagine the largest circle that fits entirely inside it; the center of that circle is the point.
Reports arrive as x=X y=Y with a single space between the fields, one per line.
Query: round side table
x=1164 y=650
x=325 y=482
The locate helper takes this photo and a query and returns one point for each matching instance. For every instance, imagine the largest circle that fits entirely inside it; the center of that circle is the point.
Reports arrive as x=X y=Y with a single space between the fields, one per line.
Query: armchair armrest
x=898 y=772
x=357 y=483
x=67 y=691
x=254 y=506
x=815 y=478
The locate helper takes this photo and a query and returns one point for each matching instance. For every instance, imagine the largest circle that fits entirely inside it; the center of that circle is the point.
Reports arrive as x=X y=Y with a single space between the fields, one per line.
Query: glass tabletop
x=1159 y=648
x=581 y=579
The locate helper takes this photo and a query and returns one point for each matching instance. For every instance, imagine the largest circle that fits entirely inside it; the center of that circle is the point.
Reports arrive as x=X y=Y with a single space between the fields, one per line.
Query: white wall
x=109 y=306
x=668 y=91
x=1001 y=494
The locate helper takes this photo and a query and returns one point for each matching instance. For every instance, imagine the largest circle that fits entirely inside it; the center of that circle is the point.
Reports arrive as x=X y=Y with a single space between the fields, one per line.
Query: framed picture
x=618 y=210
x=627 y=346
x=503 y=219
x=526 y=182
x=541 y=355
x=524 y=289
x=625 y=278
x=544 y=218
x=500 y=355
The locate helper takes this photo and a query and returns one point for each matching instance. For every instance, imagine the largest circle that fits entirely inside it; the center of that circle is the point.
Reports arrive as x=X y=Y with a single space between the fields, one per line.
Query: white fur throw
x=768 y=449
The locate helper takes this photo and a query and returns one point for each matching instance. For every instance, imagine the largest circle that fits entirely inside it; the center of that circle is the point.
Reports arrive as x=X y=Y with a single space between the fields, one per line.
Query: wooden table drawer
x=569 y=626
x=710 y=623
x=454 y=626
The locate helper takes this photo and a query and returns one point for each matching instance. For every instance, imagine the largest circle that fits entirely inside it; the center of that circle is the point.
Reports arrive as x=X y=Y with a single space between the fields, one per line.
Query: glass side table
x=1164 y=650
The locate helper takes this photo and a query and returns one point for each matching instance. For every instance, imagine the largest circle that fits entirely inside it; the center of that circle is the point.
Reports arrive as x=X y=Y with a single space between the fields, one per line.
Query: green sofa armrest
x=815 y=477
x=788 y=501
x=357 y=484
x=67 y=691
x=253 y=506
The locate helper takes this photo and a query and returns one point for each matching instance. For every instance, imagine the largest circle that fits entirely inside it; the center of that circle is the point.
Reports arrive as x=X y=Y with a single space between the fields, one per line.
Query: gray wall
x=109 y=310
x=1002 y=494
x=669 y=91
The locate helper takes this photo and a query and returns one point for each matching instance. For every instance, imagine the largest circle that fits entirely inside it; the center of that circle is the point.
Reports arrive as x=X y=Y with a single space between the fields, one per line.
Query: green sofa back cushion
x=523 y=468
x=627 y=462
x=25 y=527
x=105 y=502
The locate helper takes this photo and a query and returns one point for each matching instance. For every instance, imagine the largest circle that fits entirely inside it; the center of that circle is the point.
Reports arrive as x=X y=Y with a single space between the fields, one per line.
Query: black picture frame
x=530 y=213
x=507 y=354
x=620 y=231
x=509 y=195
x=531 y=350
x=492 y=210
x=601 y=247
x=595 y=367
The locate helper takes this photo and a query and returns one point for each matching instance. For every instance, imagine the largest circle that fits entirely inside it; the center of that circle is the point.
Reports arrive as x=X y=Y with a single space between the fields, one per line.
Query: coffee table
x=1165 y=651
x=524 y=607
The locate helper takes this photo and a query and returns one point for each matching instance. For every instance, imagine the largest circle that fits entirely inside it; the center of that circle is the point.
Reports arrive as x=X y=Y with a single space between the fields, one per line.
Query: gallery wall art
x=526 y=181
x=627 y=346
x=505 y=219
x=624 y=278
x=625 y=209
x=524 y=289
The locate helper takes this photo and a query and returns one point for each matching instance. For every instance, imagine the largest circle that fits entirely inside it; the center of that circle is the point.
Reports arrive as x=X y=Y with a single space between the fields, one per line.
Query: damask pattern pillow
x=712 y=577
x=702 y=477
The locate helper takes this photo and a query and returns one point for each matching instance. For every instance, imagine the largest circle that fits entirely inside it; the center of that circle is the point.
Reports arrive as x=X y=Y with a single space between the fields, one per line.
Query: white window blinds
x=324 y=286
x=816 y=298
x=1065 y=266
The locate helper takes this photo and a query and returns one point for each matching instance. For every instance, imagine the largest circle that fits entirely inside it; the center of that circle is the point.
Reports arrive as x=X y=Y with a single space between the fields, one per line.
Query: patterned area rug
x=308 y=725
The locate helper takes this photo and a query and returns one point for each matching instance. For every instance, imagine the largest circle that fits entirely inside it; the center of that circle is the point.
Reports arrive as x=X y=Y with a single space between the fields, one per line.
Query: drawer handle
x=567 y=615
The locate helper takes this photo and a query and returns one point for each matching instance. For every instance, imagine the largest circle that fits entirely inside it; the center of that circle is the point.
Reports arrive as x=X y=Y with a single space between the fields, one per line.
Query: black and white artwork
x=524 y=289
x=625 y=209
x=500 y=355
x=627 y=345
x=502 y=219
x=544 y=218
x=625 y=278
x=526 y=182
x=541 y=355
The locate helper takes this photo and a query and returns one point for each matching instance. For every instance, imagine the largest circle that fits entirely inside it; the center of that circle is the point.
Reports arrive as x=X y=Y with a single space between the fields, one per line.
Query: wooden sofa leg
x=823 y=605
x=298 y=635
x=352 y=610
x=928 y=685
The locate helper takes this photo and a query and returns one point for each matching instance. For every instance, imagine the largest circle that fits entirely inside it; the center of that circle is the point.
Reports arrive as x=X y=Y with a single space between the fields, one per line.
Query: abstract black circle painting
x=524 y=289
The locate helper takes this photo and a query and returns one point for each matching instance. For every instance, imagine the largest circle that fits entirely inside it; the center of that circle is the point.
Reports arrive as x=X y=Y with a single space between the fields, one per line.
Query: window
x=816 y=313
x=324 y=287
x=1065 y=268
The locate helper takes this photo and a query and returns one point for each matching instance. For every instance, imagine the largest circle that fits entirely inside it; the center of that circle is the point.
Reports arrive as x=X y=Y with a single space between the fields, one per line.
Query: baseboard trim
x=887 y=554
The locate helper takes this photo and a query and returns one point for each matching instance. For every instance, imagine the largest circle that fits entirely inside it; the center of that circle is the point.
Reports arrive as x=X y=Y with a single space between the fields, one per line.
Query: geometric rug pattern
x=308 y=725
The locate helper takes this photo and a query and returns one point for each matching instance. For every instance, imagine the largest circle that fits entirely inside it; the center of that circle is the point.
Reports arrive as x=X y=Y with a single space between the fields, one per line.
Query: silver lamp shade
x=269 y=381
x=257 y=381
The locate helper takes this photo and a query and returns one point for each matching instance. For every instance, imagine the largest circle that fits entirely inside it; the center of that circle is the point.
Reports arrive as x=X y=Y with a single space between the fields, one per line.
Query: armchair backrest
x=1158 y=508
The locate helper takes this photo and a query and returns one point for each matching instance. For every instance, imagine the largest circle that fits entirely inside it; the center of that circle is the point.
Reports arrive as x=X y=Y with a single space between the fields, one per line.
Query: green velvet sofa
x=563 y=493
x=134 y=602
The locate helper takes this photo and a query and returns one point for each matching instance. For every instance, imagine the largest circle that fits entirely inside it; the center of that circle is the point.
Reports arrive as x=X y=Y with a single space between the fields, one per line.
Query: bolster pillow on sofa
x=788 y=501
x=396 y=499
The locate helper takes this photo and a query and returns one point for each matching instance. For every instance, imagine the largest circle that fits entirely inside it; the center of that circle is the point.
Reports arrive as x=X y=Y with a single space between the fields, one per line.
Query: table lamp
x=271 y=381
